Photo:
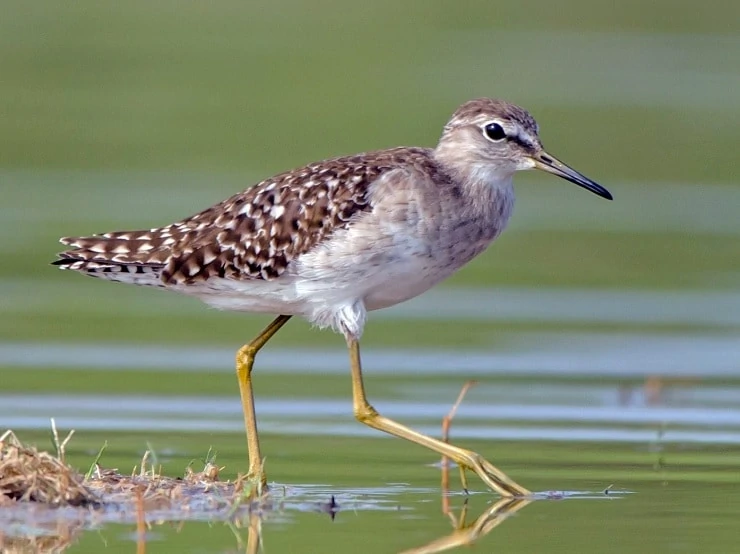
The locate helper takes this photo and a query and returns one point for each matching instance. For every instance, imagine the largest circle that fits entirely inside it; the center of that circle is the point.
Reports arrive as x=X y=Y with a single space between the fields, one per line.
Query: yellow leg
x=244 y=362
x=466 y=459
x=254 y=536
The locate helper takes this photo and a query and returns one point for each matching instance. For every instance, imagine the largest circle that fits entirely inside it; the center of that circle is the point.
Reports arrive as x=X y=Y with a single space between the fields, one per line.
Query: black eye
x=494 y=131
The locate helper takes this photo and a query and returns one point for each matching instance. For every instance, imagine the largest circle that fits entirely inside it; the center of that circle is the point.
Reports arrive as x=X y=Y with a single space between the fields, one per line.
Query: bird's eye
x=495 y=131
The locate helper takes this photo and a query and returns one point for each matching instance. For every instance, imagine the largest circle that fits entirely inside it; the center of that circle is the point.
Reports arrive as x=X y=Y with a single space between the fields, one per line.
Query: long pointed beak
x=546 y=162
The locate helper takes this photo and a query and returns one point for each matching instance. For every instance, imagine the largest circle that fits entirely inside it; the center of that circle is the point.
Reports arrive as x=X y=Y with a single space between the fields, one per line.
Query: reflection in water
x=54 y=538
x=465 y=535
x=254 y=542
x=28 y=526
x=462 y=535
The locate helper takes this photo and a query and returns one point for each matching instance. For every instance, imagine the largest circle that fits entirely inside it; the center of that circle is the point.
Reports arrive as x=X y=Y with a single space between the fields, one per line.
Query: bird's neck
x=484 y=182
x=487 y=203
x=455 y=161
x=491 y=199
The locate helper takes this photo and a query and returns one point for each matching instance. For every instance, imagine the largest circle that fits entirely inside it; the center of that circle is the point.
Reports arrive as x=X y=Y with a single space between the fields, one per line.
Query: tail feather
x=130 y=257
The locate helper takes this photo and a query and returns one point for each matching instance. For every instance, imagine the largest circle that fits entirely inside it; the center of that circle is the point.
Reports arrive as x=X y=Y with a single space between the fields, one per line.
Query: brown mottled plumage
x=254 y=234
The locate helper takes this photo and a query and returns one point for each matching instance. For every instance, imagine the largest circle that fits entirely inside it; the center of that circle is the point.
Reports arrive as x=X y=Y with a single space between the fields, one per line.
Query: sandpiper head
x=497 y=138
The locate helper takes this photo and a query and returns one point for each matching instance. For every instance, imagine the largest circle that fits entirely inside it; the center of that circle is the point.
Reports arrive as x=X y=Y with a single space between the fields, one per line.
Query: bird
x=333 y=240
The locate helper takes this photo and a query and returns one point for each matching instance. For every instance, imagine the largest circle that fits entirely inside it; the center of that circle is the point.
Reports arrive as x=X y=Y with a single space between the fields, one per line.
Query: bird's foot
x=253 y=484
x=491 y=475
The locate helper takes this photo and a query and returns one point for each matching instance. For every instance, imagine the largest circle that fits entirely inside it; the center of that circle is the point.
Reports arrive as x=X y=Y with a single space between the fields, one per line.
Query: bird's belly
x=377 y=285
x=402 y=287
x=257 y=296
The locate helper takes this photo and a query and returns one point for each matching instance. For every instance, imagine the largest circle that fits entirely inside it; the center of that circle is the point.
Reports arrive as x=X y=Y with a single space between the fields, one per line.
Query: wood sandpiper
x=333 y=240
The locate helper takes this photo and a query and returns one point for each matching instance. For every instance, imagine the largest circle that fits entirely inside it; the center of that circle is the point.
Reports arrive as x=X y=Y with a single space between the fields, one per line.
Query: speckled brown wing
x=255 y=234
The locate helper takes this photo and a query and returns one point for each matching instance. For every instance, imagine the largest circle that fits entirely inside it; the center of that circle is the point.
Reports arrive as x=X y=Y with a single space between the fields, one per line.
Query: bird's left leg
x=244 y=362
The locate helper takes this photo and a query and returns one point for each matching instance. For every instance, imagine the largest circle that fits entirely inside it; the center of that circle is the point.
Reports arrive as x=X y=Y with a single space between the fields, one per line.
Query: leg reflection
x=464 y=534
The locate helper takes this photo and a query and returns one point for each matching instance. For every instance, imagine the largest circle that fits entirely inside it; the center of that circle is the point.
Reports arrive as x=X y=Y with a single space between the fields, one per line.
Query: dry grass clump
x=51 y=503
x=26 y=474
x=149 y=490
x=30 y=475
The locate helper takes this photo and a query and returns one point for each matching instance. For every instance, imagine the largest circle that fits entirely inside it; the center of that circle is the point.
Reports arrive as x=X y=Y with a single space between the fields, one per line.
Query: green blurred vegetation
x=132 y=115
x=261 y=86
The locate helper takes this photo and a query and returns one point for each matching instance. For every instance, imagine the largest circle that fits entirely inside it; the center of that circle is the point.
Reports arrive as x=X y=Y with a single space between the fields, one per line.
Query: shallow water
x=399 y=517
x=563 y=354
x=653 y=418
x=601 y=414
x=622 y=466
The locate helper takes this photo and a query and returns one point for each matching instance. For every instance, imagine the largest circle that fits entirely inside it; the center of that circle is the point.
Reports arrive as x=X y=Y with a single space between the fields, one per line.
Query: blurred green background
x=132 y=115
x=124 y=115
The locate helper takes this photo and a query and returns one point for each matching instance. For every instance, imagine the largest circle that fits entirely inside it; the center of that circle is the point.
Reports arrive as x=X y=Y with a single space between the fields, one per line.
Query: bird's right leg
x=466 y=459
x=244 y=362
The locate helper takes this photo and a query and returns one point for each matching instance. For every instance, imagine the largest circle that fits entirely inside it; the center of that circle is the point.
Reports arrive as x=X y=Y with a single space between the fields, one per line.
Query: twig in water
x=446 y=423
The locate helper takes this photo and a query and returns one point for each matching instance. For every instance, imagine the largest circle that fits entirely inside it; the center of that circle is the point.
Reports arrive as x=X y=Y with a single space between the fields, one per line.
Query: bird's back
x=255 y=234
